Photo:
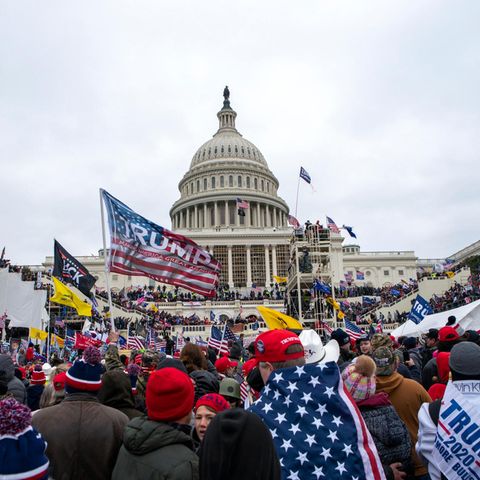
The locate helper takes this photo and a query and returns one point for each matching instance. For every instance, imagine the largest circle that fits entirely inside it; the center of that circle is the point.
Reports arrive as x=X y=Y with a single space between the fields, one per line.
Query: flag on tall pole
x=140 y=247
x=304 y=175
x=332 y=226
x=64 y=296
x=70 y=270
x=349 y=230
x=293 y=221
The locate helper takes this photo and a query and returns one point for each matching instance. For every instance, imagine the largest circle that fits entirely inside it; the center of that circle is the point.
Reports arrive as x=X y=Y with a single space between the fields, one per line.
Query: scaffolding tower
x=310 y=260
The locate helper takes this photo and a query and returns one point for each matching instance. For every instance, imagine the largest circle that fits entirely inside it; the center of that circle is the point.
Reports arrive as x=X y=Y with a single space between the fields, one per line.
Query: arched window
x=248 y=182
x=230 y=181
x=255 y=183
x=239 y=180
x=263 y=186
x=204 y=183
x=222 y=181
x=198 y=186
x=213 y=182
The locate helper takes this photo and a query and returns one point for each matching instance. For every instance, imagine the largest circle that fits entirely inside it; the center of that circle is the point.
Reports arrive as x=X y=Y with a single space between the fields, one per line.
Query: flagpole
x=299 y=296
x=296 y=201
x=48 y=326
x=107 y=271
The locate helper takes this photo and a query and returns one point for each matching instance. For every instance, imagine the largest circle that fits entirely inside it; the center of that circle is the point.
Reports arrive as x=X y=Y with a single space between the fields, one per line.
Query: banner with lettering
x=457 y=443
x=420 y=308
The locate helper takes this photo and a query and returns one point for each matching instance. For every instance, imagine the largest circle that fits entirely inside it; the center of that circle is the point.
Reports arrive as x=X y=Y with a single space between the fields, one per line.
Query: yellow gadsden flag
x=280 y=279
x=36 y=334
x=64 y=296
x=277 y=320
x=450 y=274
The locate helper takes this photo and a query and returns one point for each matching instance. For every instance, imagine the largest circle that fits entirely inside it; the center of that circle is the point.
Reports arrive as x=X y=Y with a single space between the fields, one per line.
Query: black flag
x=70 y=270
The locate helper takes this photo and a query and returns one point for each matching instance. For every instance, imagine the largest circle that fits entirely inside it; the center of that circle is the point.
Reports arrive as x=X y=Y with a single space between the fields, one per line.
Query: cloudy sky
x=378 y=100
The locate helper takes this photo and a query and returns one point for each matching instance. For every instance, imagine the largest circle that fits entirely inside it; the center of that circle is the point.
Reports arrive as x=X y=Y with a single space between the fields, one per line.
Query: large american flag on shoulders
x=316 y=427
x=140 y=247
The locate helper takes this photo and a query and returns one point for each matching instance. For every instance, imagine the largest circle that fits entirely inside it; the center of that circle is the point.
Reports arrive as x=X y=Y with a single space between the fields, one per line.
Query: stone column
x=205 y=210
x=248 y=218
x=230 y=267
x=227 y=214
x=274 y=260
x=268 y=278
x=275 y=223
x=215 y=214
x=249 y=266
x=259 y=222
x=237 y=218
x=195 y=213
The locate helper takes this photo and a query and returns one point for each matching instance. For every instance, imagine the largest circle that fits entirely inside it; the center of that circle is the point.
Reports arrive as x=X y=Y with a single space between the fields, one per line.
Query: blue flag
x=349 y=230
x=317 y=430
x=420 y=309
x=321 y=287
x=395 y=292
x=304 y=174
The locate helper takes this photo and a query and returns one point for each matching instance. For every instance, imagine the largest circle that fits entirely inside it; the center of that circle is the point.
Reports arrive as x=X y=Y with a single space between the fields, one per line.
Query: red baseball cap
x=448 y=334
x=223 y=363
x=272 y=346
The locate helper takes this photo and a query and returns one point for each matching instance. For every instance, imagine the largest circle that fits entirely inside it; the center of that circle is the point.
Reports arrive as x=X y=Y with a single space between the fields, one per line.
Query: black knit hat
x=340 y=336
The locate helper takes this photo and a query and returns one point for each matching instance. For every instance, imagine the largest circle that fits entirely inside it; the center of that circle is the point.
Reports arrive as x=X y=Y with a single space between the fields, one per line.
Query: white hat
x=47 y=369
x=315 y=351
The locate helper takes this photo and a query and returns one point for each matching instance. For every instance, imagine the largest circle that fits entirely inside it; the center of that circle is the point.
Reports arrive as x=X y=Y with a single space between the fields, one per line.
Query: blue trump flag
x=304 y=174
x=321 y=287
x=317 y=430
x=420 y=309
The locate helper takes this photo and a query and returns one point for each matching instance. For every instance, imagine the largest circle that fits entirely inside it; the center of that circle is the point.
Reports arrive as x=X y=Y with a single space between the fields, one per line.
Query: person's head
x=238 y=446
x=385 y=361
x=276 y=349
x=205 y=410
x=342 y=338
x=451 y=321
x=359 y=378
x=38 y=376
x=230 y=391
x=170 y=395
x=431 y=339
x=193 y=358
x=409 y=343
x=85 y=375
x=448 y=337
x=364 y=346
x=380 y=340
x=225 y=366
x=464 y=361
x=22 y=448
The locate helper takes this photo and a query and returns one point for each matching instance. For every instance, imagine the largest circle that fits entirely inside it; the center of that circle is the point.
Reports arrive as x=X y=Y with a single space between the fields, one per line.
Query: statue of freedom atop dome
x=226 y=96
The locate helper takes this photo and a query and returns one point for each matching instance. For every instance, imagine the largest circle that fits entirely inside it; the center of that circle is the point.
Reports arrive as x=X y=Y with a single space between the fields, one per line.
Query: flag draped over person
x=64 y=296
x=70 y=270
x=140 y=247
x=317 y=430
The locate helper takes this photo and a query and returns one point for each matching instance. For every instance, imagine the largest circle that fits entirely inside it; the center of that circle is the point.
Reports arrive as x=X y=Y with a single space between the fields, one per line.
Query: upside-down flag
x=64 y=296
x=140 y=247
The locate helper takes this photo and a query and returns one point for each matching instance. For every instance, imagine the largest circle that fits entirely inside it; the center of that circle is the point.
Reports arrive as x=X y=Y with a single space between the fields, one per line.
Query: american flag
x=379 y=327
x=293 y=221
x=135 y=343
x=326 y=327
x=160 y=345
x=180 y=342
x=242 y=203
x=140 y=247
x=332 y=226
x=354 y=331
x=151 y=339
x=317 y=430
x=69 y=338
x=219 y=341
x=244 y=389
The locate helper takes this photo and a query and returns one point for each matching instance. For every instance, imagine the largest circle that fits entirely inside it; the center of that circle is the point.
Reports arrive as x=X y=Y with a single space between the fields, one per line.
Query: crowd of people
x=269 y=409
x=455 y=296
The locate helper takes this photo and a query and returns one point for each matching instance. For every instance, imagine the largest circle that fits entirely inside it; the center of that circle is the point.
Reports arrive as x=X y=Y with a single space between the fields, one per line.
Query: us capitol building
x=255 y=246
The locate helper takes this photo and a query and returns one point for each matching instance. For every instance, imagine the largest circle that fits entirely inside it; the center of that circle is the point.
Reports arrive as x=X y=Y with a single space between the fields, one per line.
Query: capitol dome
x=225 y=169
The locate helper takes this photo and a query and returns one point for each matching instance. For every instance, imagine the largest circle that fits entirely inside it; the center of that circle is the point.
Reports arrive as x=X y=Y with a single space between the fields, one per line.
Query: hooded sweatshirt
x=407 y=396
x=116 y=392
x=155 y=450
x=7 y=375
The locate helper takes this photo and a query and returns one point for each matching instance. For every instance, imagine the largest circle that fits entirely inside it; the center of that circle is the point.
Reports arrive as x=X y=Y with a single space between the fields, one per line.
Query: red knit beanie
x=214 y=401
x=170 y=395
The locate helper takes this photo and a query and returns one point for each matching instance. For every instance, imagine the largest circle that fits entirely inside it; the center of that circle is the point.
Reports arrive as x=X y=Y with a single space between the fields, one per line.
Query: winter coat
x=116 y=392
x=7 y=375
x=430 y=370
x=155 y=451
x=388 y=431
x=407 y=397
x=34 y=392
x=205 y=382
x=83 y=437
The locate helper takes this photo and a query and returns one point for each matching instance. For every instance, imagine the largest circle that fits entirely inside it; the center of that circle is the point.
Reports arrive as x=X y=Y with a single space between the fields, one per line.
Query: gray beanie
x=465 y=359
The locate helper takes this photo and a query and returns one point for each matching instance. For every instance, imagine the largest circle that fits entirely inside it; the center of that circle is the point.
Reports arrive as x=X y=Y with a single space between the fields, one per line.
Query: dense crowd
x=454 y=297
x=267 y=410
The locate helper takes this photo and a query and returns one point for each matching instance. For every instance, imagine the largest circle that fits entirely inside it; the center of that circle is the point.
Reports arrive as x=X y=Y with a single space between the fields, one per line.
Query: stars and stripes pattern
x=135 y=342
x=332 y=226
x=317 y=430
x=219 y=340
x=141 y=248
x=353 y=330
x=180 y=342
x=326 y=327
x=293 y=221
x=242 y=203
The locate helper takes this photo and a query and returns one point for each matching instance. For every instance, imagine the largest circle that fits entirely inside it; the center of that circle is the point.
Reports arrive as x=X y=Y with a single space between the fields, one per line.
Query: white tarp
x=23 y=305
x=468 y=317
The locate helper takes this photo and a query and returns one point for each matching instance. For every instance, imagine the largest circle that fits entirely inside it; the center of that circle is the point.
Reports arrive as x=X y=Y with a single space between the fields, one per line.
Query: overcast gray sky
x=377 y=100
